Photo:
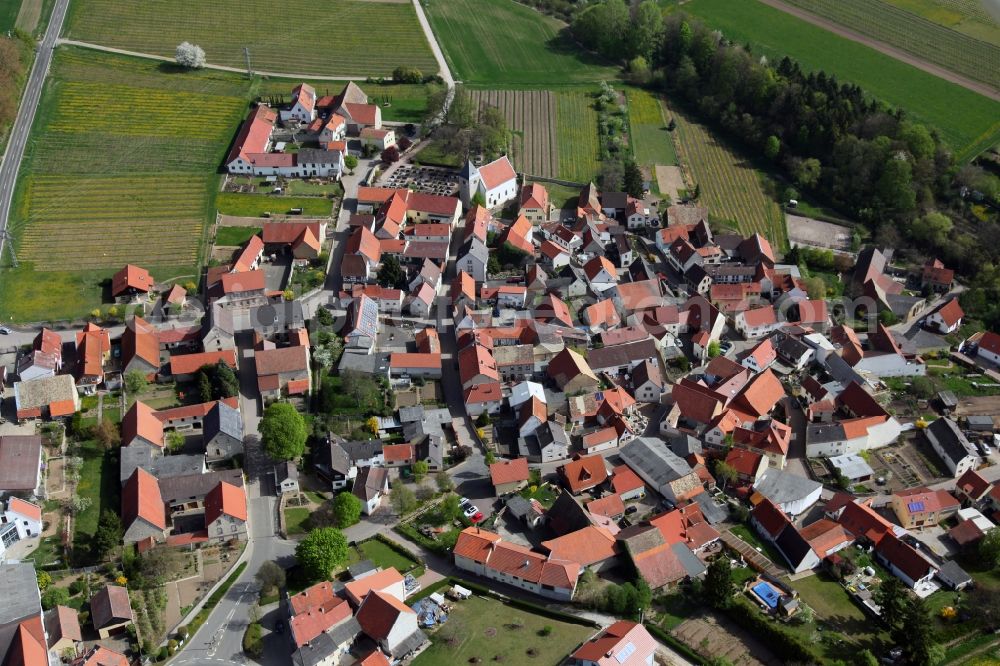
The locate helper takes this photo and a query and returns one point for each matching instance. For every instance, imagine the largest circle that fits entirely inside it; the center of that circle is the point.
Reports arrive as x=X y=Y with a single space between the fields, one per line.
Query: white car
x=4 y=330
x=471 y=510
x=464 y=502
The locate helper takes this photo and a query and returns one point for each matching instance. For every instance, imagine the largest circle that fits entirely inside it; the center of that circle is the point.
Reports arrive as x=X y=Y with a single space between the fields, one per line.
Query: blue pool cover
x=767 y=593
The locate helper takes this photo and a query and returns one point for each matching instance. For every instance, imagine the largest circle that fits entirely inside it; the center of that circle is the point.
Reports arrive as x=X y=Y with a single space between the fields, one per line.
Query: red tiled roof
x=825 y=536
x=48 y=342
x=583 y=473
x=399 y=452
x=186 y=364
x=249 y=254
x=141 y=499
x=318 y=595
x=922 y=500
x=585 y=546
x=287 y=233
x=972 y=484
x=131 y=277
x=990 y=342
x=93 y=343
x=534 y=195
x=141 y=339
x=363 y=114
x=378 y=614
x=234 y=283
x=433 y=204
x=254 y=135
x=609 y=506
x=476 y=360
x=597 y=437
x=380 y=580
x=225 y=499
x=951 y=312
x=141 y=421
x=363 y=242
x=480 y=393
x=281 y=360
x=375 y=195
x=966 y=532
x=761 y=394
x=743 y=461
x=509 y=471
x=903 y=556
x=497 y=172
x=25 y=508
x=770 y=517
x=624 y=479
x=102 y=656
x=604 y=648
x=61 y=408
x=414 y=360
x=475 y=544
x=861 y=520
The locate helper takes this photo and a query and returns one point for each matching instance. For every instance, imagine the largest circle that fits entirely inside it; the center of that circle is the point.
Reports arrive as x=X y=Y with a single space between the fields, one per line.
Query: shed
x=954 y=576
x=853 y=467
x=948 y=400
x=979 y=423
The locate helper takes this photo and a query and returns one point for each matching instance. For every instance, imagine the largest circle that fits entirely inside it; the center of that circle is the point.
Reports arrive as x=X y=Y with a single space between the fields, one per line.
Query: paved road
x=443 y=69
x=26 y=113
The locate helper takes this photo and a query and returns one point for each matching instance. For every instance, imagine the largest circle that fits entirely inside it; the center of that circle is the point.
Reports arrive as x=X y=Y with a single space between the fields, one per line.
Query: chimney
x=527 y=563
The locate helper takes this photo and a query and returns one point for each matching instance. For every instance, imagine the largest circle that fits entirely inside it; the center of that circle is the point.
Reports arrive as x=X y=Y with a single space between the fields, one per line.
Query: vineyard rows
x=578 y=145
x=351 y=37
x=730 y=190
x=962 y=54
x=532 y=116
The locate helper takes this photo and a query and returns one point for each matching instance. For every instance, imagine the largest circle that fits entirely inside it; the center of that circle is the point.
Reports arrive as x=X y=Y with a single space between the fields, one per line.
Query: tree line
x=830 y=138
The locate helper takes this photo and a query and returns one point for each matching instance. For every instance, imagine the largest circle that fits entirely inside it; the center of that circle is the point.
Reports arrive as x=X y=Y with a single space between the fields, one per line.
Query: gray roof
x=819 y=433
x=162 y=467
x=519 y=506
x=180 y=488
x=784 y=487
x=948 y=399
x=369 y=364
x=683 y=444
x=608 y=357
x=370 y=481
x=409 y=644
x=953 y=574
x=901 y=304
x=551 y=434
x=44 y=391
x=223 y=419
x=316 y=156
x=20 y=592
x=320 y=648
x=332 y=458
x=361 y=568
x=852 y=466
x=945 y=436
x=476 y=248
x=432 y=448
x=714 y=512
x=979 y=422
x=692 y=565
x=411 y=414
x=20 y=458
x=284 y=316
x=286 y=470
x=363 y=449
x=655 y=459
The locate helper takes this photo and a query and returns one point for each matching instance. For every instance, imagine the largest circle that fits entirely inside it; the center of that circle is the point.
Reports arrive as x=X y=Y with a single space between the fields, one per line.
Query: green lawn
x=336 y=37
x=434 y=153
x=255 y=205
x=576 y=127
x=119 y=169
x=500 y=42
x=99 y=483
x=384 y=556
x=968 y=122
x=485 y=629
x=828 y=598
x=404 y=103
x=233 y=236
x=48 y=552
x=561 y=196
x=295 y=518
x=651 y=142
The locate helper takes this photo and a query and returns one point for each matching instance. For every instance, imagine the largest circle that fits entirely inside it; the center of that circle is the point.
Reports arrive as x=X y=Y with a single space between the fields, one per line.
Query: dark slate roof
x=411 y=414
x=179 y=488
x=332 y=458
x=320 y=648
x=953 y=574
x=617 y=200
x=162 y=467
x=20 y=592
x=713 y=512
x=362 y=567
x=793 y=546
x=223 y=419
x=566 y=515
x=284 y=315
x=362 y=449
x=692 y=565
x=950 y=439
x=682 y=444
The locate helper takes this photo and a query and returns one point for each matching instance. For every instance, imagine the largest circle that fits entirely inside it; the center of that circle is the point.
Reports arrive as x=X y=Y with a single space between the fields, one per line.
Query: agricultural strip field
x=576 y=123
x=968 y=122
x=958 y=52
x=121 y=168
x=336 y=37
x=531 y=115
x=8 y=14
x=965 y=16
x=255 y=205
x=407 y=102
x=651 y=143
x=729 y=188
x=503 y=43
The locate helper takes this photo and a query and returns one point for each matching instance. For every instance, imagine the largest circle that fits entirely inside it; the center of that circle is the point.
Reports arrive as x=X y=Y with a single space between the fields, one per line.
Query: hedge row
x=782 y=643
x=682 y=648
x=418 y=538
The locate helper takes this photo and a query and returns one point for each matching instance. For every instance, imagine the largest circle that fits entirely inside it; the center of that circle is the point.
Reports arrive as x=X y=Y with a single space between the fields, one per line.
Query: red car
x=476 y=518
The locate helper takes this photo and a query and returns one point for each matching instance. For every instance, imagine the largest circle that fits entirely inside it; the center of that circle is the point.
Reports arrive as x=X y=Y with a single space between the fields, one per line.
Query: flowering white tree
x=190 y=55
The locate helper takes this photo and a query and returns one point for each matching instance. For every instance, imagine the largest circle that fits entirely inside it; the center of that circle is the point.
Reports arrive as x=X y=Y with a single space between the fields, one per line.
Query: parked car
x=470 y=511
x=464 y=502
x=4 y=330
x=631 y=509
x=476 y=518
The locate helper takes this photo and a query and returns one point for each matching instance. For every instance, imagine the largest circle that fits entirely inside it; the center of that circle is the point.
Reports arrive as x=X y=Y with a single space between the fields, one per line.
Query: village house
x=946 y=319
x=51 y=397
x=283 y=370
x=44 y=359
x=370 y=486
x=535 y=204
x=916 y=508
x=950 y=443
x=111 y=611
x=509 y=476
x=495 y=182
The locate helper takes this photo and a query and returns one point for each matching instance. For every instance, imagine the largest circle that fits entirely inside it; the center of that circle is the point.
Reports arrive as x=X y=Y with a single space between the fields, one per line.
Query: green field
x=407 y=102
x=98 y=483
x=233 y=236
x=965 y=16
x=958 y=52
x=255 y=205
x=731 y=188
x=968 y=122
x=121 y=168
x=486 y=630
x=576 y=131
x=651 y=143
x=502 y=43
x=384 y=556
x=8 y=14
x=337 y=37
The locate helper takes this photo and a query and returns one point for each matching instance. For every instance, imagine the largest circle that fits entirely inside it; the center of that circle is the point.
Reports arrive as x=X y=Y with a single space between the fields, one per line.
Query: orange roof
x=309 y=624
x=602 y=313
x=760 y=317
x=249 y=254
x=298 y=386
x=25 y=508
x=318 y=595
x=254 y=135
x=131 y=277
x=141 y=498
x=583 y=473
x=375 y=195
x=951 y=312
x=234 y=283
x=824 y=535
x=604 y=649
x=534 y=195
x=497 y=172
x=414 y=360
x=743 y=461
x=141 y=421
x=399 y=452
x=770 y=517
x=862 y=521
x=584 y=546
x=624 y=479
x=363 y=242
x=475 y=544
x=509 y=471
x=376 y=658
x=480 y=393
x=597 y=437
x=609 y=506
x=761 y=394
x=287 y=233
x=593 y=267
x=141 y=339
x=225 y=499
x=192 y=411
x=380 y=580
x=61 y=408
x=186 y=364
x=93 y=344
x=48 y=342
x=476 y=360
